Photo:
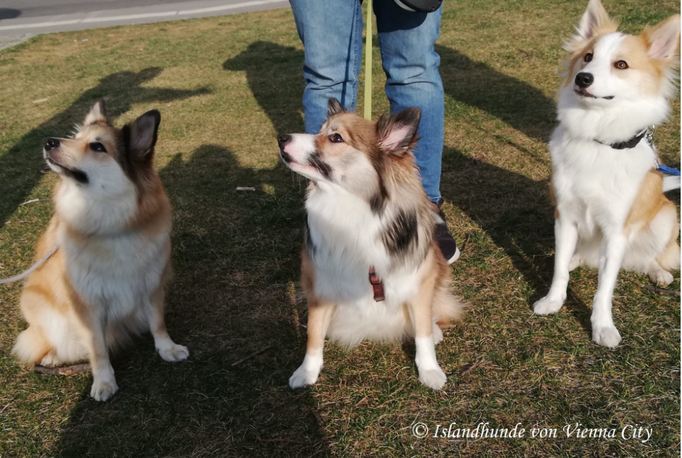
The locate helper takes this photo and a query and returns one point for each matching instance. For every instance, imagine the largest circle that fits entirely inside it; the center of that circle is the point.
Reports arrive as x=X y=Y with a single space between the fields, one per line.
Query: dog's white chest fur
x=596 y=185
x=345 y=237
x=114 y=272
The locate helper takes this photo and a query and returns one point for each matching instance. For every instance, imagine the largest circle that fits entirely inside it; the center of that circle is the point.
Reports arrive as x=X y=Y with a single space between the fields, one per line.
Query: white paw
x=661 y=276
x=51 y=360
x=437 y=334
x=545 y=306
x=103 y=388
x=174 y=353
x=607 y=336
x=304 y=376
x=434 y=378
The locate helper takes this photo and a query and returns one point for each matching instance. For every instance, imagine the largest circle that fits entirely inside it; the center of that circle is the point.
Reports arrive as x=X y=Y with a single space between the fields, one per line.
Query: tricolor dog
x=370 y=266
x=112 y=222
x=611 y=212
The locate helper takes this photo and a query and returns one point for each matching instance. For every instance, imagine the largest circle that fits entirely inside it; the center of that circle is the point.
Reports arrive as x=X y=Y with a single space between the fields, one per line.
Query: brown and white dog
x=105 y=283
x=366 y=208
x=610 y=208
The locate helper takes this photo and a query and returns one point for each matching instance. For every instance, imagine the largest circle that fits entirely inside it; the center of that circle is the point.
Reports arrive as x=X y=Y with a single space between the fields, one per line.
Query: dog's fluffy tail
x=447 y=308
x=671 y=182
x=31 y=346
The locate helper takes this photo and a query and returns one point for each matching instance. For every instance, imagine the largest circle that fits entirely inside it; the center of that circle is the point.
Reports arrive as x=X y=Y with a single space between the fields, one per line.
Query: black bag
x=423 y=6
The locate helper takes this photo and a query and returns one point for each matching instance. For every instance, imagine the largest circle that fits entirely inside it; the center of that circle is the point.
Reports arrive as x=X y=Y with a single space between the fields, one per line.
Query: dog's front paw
x=304 y=376
x=103 y=388
x=607 y=336
x=174 y=353
x=546 y=306
x=433 y=378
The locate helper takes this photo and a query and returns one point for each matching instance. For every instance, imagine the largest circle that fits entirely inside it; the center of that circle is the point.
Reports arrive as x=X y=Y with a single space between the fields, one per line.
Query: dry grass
x=225 y=87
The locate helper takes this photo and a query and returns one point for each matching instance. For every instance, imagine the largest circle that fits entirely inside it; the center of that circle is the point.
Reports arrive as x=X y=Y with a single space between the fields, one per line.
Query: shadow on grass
x=515 y=102
x=515 y=212
x=275 y=76
x=235 y=258
x=20 y=166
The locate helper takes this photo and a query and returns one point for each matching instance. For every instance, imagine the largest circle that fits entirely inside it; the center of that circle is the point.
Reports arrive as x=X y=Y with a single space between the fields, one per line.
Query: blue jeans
x=331 y=32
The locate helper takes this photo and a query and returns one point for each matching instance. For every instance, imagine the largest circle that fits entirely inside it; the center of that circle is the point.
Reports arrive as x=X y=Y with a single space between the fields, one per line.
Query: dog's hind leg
x=31 y=345
x=34 y=343
x=653 y=249
x=566 y=234
x=669 y=258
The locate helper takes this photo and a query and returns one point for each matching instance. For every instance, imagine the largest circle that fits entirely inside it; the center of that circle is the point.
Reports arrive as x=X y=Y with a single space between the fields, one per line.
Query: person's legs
x=406 y=40
x=331 y=32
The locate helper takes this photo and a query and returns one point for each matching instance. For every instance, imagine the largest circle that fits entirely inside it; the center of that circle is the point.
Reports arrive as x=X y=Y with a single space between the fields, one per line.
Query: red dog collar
x=377 y=285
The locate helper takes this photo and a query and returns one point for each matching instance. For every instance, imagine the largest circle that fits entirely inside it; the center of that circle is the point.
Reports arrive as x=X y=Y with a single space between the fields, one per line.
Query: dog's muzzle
x=282 y=141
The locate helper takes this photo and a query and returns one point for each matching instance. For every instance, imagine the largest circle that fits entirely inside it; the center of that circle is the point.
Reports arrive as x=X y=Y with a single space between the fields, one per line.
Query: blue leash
x=668 y=170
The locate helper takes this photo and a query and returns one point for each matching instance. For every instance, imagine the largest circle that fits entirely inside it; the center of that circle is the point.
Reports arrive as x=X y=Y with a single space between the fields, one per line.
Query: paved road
x=21 y=19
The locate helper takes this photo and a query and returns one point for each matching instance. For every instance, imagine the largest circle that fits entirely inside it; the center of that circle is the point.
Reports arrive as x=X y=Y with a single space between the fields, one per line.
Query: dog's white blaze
x=605 y=82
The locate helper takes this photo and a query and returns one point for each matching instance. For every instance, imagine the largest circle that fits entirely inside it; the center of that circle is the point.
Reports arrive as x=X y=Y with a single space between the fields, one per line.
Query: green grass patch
x=225 y=87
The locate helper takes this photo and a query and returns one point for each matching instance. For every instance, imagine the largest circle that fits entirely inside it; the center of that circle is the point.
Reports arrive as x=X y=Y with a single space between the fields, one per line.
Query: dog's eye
x=336 y=138
x=621 y=65
x=96 y=146
x=588 y=57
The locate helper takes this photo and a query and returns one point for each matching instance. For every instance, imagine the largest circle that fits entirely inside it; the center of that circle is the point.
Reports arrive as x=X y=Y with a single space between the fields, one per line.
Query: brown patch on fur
x=577 y=50
x=650 y=201
x=634 y=51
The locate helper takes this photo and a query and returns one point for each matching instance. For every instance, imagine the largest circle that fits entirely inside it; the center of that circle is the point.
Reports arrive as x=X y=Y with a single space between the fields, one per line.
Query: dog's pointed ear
x=397 y=133
x=664 y=38
x=334 y=107
x=140 y=136
x=595 y=20
x=98 y=113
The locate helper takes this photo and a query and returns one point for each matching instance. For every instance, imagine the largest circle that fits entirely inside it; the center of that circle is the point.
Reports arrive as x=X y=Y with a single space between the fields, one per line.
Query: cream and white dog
x=105 y=283
x=610 y=208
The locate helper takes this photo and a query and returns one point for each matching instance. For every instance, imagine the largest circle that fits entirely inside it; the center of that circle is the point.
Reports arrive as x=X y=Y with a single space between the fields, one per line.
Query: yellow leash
x=368 y=63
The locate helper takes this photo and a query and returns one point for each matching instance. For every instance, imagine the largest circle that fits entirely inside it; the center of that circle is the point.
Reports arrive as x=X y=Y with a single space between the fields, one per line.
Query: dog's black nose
x=584 y=79
x=51 y=143
x=283 y=139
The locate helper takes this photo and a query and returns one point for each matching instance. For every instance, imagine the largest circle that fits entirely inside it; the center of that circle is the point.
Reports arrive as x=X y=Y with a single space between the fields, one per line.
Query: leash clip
x=649 y=136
